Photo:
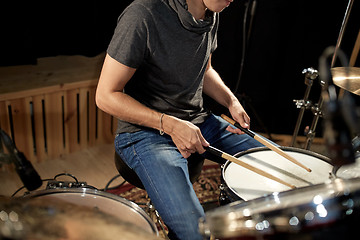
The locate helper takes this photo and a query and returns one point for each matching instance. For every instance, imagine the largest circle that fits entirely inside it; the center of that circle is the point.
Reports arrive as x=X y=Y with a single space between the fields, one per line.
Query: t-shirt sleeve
x=128 y=44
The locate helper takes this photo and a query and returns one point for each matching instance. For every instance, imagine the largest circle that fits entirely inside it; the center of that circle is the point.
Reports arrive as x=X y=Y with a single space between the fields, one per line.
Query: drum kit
x=326 y=201
x=324 y=205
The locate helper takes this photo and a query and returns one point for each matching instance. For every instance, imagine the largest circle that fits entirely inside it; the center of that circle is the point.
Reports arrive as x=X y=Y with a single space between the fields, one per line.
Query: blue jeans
x=164 y=172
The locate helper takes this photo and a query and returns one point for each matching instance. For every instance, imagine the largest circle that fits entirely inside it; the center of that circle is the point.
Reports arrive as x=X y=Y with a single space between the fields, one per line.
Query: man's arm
x=215 y=88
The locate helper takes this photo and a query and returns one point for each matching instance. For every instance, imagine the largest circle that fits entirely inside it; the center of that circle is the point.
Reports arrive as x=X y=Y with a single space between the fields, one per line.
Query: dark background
x=285 y=38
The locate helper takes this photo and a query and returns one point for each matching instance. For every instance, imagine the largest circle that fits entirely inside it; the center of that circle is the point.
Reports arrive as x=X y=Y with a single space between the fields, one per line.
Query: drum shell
x=116 y=206
x=324 y=211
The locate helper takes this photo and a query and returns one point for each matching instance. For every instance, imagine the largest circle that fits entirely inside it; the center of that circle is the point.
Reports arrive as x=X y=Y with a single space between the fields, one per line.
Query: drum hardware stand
x=317 y=114
x=317 y=108
x=310 y=75
x=154 y=214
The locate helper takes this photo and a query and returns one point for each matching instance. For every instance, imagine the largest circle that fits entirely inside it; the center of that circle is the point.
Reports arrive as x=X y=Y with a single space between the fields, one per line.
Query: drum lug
x=332 y=176
x=223 y=198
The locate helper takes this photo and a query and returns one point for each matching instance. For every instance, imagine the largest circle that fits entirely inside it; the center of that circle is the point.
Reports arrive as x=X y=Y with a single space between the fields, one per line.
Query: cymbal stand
x=310 y=75
x=316 y=109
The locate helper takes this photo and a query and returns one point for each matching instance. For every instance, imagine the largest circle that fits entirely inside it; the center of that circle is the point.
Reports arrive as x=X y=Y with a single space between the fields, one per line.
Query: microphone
x=23 y=166
x=26 y=172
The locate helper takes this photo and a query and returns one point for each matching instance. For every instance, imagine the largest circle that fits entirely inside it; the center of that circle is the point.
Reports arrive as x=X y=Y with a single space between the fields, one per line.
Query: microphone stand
x=4 y=158
x=23 y=166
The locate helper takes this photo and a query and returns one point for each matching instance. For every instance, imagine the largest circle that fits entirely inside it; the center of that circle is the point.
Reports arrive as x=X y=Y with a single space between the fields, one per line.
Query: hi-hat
x=347 y=78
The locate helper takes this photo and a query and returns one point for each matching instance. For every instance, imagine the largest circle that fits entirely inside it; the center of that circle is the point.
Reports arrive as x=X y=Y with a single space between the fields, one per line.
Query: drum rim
x=258 y=149
x=336 y=169
x=96 y=192
x=285 y=148
x=234 y=210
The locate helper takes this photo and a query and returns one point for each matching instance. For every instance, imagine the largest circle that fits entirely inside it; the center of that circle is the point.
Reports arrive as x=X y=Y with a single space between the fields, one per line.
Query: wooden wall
x=49 y=109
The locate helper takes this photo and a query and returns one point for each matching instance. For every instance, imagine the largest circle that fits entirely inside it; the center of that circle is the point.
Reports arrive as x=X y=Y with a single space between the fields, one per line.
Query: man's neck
x=197 y=8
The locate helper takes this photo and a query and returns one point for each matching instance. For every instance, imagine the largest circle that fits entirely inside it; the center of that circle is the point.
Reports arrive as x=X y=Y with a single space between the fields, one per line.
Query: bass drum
x=239 y=183
x=328 y=211
x=82 y=213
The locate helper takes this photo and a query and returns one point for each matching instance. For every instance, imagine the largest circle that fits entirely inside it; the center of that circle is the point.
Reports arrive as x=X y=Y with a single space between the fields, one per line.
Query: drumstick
x=263 y=141
x=226 y=156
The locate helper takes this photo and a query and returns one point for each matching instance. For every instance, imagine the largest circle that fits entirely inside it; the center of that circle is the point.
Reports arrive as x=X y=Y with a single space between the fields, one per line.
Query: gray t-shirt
x=170 y=50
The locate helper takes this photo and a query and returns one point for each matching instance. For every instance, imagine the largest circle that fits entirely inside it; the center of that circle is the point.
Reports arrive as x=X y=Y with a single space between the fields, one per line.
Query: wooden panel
x=100 y=127
x=51 y=71
x=107 y=128
x=92 y=117
x=54 y=124
x=71 y=120
x=62 y=118
x=83 y=115
x=28 y=135
x=5 y=126
x=4 y=117
x=41 y=153
x=104 y=127
x=21 y=121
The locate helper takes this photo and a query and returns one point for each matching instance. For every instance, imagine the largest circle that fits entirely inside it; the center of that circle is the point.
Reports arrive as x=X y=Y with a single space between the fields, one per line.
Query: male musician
x=157 y=68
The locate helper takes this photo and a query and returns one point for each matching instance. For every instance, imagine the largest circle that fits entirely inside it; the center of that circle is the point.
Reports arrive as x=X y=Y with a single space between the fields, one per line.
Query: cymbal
x=347 y=78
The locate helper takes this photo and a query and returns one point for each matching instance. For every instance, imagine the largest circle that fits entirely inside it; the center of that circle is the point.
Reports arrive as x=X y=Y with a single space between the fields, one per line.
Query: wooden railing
x=46 y=122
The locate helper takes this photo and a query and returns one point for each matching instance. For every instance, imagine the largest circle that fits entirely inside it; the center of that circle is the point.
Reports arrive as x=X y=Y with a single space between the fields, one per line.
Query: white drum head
x=250 y=185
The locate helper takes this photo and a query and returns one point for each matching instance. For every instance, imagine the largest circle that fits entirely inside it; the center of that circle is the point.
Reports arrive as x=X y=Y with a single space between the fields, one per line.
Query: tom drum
x=328 y=211
x=242 y=184
x=86 y=211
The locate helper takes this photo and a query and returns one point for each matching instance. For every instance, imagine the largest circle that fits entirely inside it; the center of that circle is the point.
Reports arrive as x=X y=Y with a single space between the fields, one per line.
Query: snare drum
x=100 y=201
x=239 y=183
x=324 y=211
